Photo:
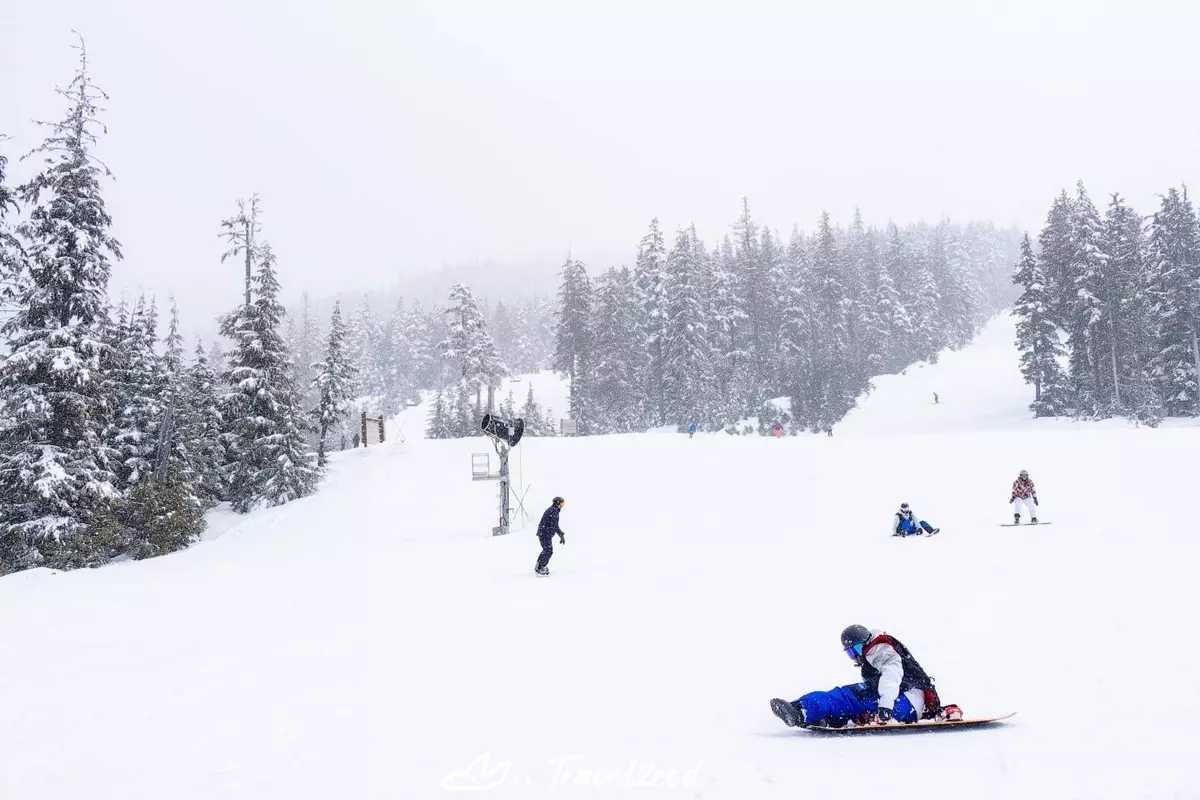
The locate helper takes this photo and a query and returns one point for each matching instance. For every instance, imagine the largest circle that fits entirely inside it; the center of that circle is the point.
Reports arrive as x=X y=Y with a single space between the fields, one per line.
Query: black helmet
x=557 y=502
x=855 y=634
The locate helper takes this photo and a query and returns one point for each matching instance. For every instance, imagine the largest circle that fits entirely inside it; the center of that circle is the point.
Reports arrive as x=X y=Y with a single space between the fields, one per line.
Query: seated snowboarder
x=894 y=687
x=904 y=524
x=1024 y=494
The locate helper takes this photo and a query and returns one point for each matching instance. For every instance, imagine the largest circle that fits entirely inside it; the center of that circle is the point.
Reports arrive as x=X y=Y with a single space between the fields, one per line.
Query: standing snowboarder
x=905 y=524
x=691 y=430
x=1024 y=494
x=547 y=529
x=894 y=687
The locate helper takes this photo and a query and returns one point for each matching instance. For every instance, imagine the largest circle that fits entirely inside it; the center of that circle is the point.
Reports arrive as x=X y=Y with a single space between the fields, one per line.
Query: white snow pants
x=1027 y=502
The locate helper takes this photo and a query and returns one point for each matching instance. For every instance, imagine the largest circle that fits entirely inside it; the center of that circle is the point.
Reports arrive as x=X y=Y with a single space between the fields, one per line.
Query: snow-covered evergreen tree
x=619 y=357
x=1056 y=248
x=52 y=478
x=205 y=446
x=730 y=358
x=536 y=421
x=469 y=345
x=833 y=392
x=687 y=377
x=650 y=276
x=10 y=247
x=422 y=338
x=797 y=331
x=439 y=425
x=752 y=287
x=307 y=348
x=364 y=338
x=1175 y=257
x=896 y=269
x=333 y=380
x=1131 y=325
x=1084 y=308
x=573 y=354
x=141 y=399
x=270 y=460
x=399 y=381
x=1038 y=339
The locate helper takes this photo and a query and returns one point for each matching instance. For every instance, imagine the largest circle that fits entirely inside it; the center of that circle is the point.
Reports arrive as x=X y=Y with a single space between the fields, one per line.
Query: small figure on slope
x=547 y=530
x=1023 y=494
x=893 y=687
x=904 y=524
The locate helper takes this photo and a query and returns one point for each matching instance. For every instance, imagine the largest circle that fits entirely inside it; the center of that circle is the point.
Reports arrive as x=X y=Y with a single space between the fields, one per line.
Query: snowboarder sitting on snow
x=894 y=687
x=547 y=529
x=1023 y=494
x=904 y=524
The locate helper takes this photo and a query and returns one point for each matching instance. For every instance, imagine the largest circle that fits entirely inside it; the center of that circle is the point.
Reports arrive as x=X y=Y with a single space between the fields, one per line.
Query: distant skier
x=905 y=524
x=778 y=430
x=1024 y=494
x=547 y=529
x=935 y=398
x=894 y=687
x=691 y=430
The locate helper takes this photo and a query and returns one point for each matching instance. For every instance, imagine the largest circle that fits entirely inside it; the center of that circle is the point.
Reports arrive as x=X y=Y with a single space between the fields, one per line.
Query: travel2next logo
x=568 y=772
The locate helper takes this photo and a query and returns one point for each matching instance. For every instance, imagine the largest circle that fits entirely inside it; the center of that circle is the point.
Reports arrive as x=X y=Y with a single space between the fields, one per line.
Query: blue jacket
x=548 y=527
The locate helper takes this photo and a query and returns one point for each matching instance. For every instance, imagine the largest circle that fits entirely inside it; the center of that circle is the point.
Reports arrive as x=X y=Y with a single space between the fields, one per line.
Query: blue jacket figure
x=547 y=529
x=691 y=430
x=894 y=687
x=905 y=524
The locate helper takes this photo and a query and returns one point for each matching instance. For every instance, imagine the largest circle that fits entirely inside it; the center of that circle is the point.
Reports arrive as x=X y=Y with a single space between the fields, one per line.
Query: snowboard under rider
x=893 y=687
x=905 y=524
x=547 y=530
x=1024 y=495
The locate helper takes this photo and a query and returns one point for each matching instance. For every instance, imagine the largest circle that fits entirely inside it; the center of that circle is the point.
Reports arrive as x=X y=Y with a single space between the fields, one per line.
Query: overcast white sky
x=388 y=137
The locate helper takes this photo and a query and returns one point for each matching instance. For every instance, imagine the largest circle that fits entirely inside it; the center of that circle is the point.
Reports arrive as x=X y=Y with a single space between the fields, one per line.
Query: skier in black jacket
x=547 y=529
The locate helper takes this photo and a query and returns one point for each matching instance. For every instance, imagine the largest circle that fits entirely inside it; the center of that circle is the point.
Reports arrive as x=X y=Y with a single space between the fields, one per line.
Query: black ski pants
x=547 y=550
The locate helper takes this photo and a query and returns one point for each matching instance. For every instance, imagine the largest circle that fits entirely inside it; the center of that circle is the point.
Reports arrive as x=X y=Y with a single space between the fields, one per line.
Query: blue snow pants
x=850 y=701
x=908 y=527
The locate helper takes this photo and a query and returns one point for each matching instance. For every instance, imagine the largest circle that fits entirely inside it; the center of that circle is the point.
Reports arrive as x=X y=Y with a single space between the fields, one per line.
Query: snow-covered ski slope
x=374 y=641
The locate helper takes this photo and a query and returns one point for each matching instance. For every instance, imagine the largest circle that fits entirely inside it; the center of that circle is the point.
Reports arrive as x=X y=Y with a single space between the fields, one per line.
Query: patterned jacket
x=1023 y=488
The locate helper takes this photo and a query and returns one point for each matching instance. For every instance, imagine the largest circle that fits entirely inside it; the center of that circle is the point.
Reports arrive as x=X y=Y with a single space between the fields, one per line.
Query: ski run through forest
x=118 y=436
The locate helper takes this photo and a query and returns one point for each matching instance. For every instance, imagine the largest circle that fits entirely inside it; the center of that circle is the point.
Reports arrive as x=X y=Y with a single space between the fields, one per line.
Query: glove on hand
x=883 y=716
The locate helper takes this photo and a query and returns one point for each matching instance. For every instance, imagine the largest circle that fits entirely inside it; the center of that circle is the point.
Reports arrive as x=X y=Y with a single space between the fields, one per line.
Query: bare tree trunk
x=1196 y=358
x=248 y=249
x=1112 y=347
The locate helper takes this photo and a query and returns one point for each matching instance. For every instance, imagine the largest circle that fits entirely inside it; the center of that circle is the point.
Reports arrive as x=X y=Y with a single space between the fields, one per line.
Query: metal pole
x=504 y=481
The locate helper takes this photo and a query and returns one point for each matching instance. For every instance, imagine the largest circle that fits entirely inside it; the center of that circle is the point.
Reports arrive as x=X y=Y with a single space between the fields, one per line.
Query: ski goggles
x=854 y=651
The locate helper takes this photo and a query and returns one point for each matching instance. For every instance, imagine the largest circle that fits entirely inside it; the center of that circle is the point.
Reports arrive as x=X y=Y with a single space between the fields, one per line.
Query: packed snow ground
x=375 y=641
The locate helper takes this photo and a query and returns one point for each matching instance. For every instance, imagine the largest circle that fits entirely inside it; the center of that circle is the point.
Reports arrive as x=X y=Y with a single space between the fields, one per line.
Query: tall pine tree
x=687 y=378
x=1037 y=338
x=52 y=474
x=573 y=340
x=270 y=460
x=334 y=384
